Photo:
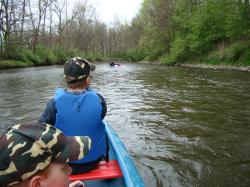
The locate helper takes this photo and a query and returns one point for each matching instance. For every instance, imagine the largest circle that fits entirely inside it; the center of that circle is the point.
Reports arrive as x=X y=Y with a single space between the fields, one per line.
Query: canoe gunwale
x=130 y=173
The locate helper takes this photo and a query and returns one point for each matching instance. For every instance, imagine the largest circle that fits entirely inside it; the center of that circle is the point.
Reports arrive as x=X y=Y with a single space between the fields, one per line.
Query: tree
x=156 y=18
x=36 y=19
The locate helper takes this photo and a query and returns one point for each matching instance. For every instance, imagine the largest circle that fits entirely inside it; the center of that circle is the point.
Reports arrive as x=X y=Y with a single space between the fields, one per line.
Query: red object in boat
x=105 y=170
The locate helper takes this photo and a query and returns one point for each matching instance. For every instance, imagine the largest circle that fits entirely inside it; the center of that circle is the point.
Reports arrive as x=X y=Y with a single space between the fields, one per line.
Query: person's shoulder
x=95 y=96
x=59 y=92
x=91 y=92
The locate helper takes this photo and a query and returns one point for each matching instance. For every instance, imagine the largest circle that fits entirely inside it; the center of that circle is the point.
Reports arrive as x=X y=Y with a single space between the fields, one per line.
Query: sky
x=124 y=10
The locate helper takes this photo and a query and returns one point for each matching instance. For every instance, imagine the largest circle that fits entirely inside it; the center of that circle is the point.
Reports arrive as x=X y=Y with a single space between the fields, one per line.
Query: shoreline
x=227 y=67
x=216 y=67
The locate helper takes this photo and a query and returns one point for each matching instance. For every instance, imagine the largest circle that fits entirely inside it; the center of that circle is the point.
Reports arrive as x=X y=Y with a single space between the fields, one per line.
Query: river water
x=182 y=126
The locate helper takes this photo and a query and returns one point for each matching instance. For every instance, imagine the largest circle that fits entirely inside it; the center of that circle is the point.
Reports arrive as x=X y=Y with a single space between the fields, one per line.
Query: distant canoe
x=112 y=64
x=120 y=171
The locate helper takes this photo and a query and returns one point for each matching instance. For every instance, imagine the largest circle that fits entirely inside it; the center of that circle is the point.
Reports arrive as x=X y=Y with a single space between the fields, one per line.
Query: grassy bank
x=6 y=64
x=235 y=53
x=229 y=54
x=20 y=58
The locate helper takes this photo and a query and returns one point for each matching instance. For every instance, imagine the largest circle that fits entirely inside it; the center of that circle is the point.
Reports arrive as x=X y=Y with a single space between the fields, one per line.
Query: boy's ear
x=36 y=181
x=88 y=80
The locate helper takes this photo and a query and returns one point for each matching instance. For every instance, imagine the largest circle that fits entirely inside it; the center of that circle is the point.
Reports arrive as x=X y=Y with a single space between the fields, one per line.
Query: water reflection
x=183 y=127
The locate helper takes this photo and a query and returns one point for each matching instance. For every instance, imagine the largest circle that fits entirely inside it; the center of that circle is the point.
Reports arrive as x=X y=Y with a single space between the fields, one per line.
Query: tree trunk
x=22 y=23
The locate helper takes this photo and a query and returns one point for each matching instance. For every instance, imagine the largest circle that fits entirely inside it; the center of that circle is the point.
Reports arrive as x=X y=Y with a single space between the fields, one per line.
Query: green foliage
x=237 y=53
x=167 y=59
x=135 y=54
x=44 y=56
x=30 y=56
x=172 y=31
x=154 y=44
x=14 y=64
x=201 y=29
x=205 y=27
x=180 y=48
x=61 y=55
x=23 y=55
x=155 y=19
x=15 y=53
x=94 y=56
x=245 y=57
x=236 y=24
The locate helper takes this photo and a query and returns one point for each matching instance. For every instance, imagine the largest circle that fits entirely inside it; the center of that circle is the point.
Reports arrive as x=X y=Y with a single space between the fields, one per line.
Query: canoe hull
x=125 y=172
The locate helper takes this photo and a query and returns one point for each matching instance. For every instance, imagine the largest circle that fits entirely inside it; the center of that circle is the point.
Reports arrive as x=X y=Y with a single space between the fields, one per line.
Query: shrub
x=135 y=54
x=167 y=59
x=238 y=52
x=93 y=56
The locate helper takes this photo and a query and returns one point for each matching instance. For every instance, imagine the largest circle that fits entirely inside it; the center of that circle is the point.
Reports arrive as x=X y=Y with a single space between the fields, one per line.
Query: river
x=182 y=126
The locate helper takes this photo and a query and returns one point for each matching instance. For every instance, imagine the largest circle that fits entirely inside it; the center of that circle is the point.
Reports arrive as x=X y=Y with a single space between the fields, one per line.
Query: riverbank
x=9 y=64
x=216 y=67
x=204 y=66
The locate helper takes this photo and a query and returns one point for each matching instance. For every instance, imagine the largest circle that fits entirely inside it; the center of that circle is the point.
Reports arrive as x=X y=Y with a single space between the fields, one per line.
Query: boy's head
x=28 y=149
x=76 y=70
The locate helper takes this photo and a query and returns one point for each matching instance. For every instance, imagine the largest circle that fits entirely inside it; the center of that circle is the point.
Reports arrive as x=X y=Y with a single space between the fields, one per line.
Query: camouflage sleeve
x=104 y=105
x=49 y=114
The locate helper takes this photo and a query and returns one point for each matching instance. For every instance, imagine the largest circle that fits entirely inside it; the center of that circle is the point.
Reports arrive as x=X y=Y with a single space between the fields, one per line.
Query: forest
x=43 y=32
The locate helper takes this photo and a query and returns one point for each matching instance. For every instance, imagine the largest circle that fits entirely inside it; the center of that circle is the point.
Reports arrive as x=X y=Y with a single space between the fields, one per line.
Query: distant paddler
x=112 y=64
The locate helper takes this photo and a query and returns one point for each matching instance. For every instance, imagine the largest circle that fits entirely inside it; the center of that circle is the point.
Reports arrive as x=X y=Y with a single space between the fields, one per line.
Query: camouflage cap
x=76 y=69
x=29 y=148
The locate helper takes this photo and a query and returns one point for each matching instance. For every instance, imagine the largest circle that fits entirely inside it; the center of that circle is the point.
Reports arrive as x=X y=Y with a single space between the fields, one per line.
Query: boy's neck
x=76 y=89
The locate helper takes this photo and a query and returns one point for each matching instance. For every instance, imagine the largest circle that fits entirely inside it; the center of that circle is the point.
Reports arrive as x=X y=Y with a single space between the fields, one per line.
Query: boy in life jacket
x=79 y=111
x=34 y=154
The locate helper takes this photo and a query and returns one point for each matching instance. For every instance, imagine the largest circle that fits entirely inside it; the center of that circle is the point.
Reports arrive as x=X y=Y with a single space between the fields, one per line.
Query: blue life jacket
x=79 y=114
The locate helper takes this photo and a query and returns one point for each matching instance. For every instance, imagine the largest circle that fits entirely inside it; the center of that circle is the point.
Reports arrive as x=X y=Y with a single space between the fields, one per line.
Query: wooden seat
x=105 y=170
